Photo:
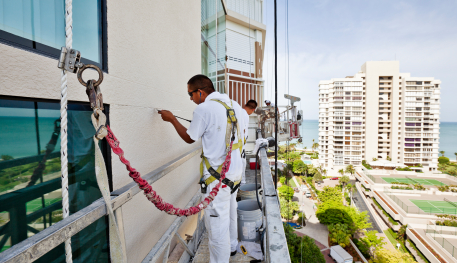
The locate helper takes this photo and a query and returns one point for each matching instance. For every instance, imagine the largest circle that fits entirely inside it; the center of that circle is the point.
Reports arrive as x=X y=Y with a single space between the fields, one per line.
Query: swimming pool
x=307 y=162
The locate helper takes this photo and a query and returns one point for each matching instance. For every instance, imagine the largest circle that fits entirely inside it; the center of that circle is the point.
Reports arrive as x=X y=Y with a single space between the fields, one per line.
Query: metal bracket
x=70 y=60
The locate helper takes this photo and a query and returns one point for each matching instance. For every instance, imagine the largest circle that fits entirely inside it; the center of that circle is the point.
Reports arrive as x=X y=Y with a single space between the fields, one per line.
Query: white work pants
x=221 y=223
x=243 y=175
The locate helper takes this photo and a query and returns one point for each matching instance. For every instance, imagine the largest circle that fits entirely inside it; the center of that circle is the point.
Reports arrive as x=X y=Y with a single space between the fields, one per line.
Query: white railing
x=242 y=88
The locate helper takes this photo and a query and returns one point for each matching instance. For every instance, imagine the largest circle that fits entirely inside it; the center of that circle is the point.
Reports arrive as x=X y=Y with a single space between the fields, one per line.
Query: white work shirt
x=209 y=122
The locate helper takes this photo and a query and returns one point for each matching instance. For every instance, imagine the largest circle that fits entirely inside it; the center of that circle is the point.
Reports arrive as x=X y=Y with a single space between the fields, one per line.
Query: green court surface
x=416 y=180
x=36 y=204
x=435 y=207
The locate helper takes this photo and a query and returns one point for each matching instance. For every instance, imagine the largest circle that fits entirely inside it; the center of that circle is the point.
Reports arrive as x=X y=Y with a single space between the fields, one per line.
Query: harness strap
x=229 y=138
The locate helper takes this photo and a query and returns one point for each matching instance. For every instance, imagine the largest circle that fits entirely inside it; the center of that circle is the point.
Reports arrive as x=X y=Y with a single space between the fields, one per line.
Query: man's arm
x=182 y=131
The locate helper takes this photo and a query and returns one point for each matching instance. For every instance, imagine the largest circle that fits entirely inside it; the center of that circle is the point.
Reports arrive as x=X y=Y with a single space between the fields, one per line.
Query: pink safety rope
x=152 y=195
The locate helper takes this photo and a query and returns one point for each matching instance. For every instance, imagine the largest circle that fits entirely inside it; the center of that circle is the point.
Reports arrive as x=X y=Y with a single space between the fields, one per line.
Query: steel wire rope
x=63 y=126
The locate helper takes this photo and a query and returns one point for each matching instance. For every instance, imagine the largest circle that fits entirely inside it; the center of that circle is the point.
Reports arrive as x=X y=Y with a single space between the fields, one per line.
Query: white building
x=379 y=113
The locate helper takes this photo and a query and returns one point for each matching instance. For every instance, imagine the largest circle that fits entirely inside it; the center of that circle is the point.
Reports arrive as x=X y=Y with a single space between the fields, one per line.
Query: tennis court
x=36 y=204
x=435 y=207
x=416 y=180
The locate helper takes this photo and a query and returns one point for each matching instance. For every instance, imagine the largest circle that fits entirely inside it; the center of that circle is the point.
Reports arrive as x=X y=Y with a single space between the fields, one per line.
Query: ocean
x=448 y=136
x=23 y=142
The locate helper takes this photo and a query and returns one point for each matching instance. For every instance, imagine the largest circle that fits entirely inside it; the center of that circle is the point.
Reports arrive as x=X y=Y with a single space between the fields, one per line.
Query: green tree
x=330 y=194
x=350 y=188
x=282 y=180
x=318 y=177
x=371 y=242
x=333 y=212
x=299 y=167
x=401 y=234
x=311 y=170
x=339 y=234
x=344 y=180
x=388 y=158
x=374 y=159
x=442 y=153
x=302 y=249
x=301 y=218
x=286 y=192
x=288 y=208
x=350 y=169
x=443 y=160
x=341 y=171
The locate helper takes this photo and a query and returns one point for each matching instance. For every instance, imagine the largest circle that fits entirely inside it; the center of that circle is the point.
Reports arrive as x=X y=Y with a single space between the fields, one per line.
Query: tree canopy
x=286 y=192
x=302 y=249
x=288 y=208
x=330 y=194
x=299 y=167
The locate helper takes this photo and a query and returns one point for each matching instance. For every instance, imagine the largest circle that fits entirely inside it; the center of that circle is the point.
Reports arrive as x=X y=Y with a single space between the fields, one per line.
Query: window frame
x=105 y=148
x=47 y=51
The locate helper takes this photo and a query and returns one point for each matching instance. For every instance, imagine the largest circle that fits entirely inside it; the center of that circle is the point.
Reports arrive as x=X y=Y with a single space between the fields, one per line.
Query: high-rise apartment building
x=379 y=113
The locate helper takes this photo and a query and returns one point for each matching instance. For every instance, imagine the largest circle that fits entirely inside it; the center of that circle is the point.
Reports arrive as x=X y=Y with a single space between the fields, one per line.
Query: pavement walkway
x=313 y=228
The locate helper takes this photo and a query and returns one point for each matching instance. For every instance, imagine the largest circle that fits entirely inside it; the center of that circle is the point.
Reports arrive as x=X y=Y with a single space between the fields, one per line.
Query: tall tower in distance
x=379 y=113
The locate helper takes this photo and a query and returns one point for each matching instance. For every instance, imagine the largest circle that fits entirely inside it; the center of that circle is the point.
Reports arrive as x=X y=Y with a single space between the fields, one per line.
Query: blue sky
x=329 y=39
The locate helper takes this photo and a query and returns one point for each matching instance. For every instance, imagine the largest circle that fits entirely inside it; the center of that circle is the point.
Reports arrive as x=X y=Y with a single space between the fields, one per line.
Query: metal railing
x=437 y=233
x=275 y=243
x=41 y=243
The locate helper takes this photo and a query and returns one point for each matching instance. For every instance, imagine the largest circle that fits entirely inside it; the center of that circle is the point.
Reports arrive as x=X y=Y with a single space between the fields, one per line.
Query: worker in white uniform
x=248 y=109
x=209 y=123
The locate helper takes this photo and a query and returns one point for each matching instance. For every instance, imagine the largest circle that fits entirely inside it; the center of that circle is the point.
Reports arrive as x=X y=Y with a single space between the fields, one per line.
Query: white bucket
x=249 y=220
x=247 y=191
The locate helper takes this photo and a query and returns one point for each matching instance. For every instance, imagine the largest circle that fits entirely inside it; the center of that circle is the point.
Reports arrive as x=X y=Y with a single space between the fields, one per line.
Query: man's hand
x=182 y=131
x=167 y=116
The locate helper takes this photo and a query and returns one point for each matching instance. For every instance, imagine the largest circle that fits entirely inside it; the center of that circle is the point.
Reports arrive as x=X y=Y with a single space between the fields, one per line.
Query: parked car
x=308 y=194
x=334 y=178
x=296 y=190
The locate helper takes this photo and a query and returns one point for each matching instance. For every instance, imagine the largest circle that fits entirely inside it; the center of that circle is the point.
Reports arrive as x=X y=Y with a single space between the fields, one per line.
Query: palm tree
x=350 y=169
x=341 y=171
x=350 y=188
x=455 y=156
x=442 y=153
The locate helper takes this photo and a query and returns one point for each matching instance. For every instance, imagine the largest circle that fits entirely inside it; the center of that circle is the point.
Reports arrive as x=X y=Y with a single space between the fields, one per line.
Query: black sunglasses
x=190 y=93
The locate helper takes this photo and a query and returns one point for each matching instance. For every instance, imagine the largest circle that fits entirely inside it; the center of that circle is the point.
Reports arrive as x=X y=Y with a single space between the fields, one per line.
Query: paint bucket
x=247 y=191
x=249 y=220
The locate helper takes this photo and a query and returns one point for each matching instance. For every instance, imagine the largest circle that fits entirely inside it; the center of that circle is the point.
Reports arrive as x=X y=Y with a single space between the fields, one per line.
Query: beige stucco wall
x=153 y=49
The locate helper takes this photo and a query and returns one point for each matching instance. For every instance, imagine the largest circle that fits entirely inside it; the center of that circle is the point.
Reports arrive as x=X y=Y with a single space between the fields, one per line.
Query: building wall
x=153 y=49
x=389 y=107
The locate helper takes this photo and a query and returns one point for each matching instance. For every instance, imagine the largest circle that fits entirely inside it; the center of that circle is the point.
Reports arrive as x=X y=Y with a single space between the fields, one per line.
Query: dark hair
x=252 y=104
x=201 y=82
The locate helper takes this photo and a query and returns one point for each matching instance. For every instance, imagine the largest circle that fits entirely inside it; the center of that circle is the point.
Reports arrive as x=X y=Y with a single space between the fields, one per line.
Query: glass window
x=213 y=40
x=40 y=25
x=30 y=184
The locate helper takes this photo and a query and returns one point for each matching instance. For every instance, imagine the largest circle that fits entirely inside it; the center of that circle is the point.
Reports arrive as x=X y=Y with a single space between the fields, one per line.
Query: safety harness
x=232 y=127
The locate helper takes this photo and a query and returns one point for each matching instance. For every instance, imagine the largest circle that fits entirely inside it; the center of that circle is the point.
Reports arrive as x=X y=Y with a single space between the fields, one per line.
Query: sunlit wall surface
x=30 y=184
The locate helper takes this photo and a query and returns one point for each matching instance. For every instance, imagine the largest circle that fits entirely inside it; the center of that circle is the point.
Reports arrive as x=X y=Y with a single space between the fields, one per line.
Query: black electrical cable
x=276 y=100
